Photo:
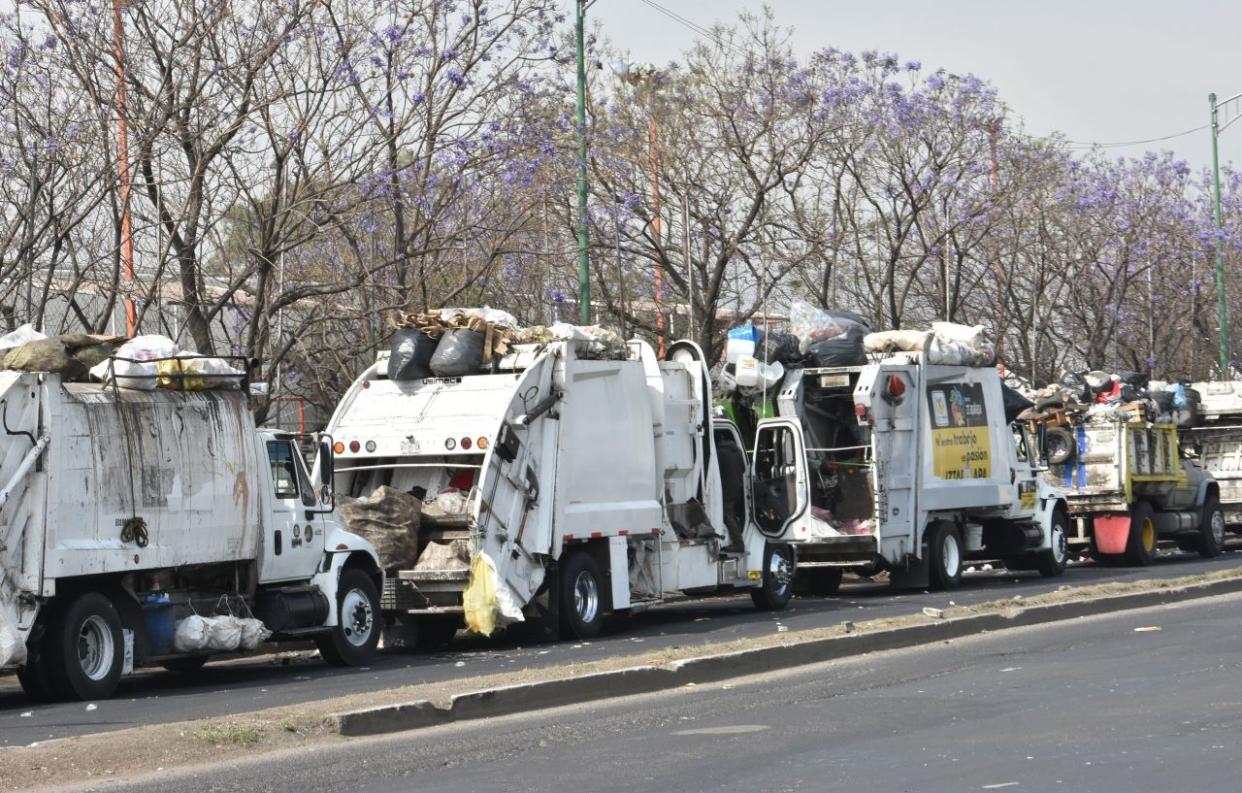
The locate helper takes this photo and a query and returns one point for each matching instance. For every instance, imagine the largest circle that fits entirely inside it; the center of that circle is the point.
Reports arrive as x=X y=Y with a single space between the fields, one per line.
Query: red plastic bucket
x=1111 y=532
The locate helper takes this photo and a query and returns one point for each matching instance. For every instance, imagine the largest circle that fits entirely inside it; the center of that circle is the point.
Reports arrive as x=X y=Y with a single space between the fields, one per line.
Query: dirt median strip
x=159 y=748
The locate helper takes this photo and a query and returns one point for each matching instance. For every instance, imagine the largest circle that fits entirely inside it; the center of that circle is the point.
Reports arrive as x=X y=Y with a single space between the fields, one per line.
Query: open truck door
x=780 y=485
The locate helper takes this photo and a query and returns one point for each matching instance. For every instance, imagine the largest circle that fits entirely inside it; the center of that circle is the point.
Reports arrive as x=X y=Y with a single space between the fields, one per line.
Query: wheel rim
x=357 y=618
x=951 y=555
x=779 y=569
x=95 y=648
x=1218 y=527
x=1060 y=546
x=1149 y=535
x=586 y=597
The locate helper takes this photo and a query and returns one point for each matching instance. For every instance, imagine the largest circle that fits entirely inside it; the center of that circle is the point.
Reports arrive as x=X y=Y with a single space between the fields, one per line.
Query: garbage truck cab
x=158 y=526
x=586 y=482
x=906 y=467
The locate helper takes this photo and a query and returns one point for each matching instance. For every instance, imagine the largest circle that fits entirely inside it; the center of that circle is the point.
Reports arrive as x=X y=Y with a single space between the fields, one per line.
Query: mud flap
x=914 y=574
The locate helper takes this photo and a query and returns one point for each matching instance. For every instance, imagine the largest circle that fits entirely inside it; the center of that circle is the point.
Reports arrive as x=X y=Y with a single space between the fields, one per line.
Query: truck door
x=294 y=544
x=780 y=489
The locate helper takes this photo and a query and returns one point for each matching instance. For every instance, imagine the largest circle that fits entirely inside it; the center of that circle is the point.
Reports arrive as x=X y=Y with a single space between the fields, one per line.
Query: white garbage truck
x=160 y=527
x=903 y=466
x=590 y=483
x=1216 y=442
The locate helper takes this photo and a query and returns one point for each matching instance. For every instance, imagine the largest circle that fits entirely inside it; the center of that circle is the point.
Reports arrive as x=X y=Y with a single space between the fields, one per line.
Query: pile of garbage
x=1097 y=397
x=392 y=520
x=143 y=363
x=453 y=342
x=756 y=361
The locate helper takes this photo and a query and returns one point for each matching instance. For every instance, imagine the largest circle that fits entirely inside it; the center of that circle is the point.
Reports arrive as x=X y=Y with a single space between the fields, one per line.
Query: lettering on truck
x=961 y=442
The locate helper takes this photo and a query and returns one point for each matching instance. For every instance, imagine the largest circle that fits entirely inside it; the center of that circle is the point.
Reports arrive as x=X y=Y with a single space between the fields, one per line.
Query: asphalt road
x=1086 y=705
x=151 y=697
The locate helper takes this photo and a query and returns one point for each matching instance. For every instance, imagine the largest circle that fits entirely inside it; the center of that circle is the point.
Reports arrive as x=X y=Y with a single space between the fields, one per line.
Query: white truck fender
x=340 y=548
x=1049 y=498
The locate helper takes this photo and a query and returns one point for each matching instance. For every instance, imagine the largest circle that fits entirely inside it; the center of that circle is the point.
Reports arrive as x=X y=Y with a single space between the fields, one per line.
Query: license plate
x=834 y=381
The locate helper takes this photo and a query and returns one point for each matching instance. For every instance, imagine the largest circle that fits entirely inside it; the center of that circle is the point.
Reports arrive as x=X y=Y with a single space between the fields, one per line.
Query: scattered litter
x=1012 y=669
x=691 y=685
x=1017 y=597
x=93 y=706
x=701 y=619
x=460 y=664
x=1148 y=629
x=1000 y=785
x=27 y=714
x=987 y=568
x=934 y=613
x=847 y=626
x=782 y=628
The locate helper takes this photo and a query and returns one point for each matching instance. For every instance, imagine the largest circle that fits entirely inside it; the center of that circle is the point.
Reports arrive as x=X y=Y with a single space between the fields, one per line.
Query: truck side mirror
x=327 y=461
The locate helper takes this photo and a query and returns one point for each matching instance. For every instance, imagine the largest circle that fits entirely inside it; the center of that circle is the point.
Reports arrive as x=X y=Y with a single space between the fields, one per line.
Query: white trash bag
x=23 y=335
x=223 y=634
x=139 y=371
x=12 y=646
x=191 y=635
x=253 y=633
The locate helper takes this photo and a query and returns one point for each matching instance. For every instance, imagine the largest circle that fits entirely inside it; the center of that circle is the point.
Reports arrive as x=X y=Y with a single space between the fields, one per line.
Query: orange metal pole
x=122 y=156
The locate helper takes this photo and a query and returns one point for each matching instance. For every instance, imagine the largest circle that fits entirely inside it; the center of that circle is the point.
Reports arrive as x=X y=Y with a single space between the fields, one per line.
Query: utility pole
x=685 y=253
x=1222 y=310
x=584 y=256
x=122 y=157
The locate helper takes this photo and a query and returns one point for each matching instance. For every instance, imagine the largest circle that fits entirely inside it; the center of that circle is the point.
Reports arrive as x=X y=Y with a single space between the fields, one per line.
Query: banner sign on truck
x=961 y=444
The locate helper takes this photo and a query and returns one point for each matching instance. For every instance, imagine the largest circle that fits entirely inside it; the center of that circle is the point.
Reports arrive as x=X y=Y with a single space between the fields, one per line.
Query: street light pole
x=584 y=260
x=1222 y=309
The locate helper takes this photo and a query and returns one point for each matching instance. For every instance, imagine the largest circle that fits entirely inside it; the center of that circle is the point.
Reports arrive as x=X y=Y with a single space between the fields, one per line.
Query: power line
x=693 y=26
x=1119 y=144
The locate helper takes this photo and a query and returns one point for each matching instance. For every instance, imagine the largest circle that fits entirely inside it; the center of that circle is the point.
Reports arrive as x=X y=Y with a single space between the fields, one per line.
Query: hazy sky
x=1097 y=70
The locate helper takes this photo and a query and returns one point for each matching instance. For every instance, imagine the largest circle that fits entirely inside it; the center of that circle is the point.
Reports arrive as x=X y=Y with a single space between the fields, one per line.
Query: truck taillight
x=466 y=443
x=481 y=444
x=338 y=447
x=354 y=446
x=450 y=443
x=370 y=446
x=860 y=411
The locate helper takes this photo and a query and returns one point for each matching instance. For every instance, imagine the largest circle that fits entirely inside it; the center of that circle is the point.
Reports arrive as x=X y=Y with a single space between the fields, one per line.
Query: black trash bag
x=843 y=350
x=1136 y=379
x=460 y=352
x=411 y=354
x=1076 y=386
x=1014 y=403
x=778 y=347
x=1163 y=400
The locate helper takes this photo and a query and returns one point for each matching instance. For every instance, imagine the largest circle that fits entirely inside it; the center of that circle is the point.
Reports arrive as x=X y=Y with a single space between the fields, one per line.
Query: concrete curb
x=649 y=678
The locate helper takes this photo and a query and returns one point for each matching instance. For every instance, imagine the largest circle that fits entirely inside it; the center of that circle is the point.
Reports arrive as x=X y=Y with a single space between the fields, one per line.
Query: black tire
x=1211 y=539
x=776 y=589
x=353 y=640
x=582 y=597
x=1142 y=540
x=84 y=649
x=1051 y=562
x=33 y=679
x=818 y=581
x=435 y=632
x=944 y=556
x=1059 y=445
x=186 y=666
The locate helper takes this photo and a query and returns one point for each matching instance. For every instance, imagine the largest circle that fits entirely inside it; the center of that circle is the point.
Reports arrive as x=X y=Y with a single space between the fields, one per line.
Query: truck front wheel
x=84 y=649
x=1211 y=528
x=357 y=633
x=778 y=575
x=1051 y=563
x=944 y=556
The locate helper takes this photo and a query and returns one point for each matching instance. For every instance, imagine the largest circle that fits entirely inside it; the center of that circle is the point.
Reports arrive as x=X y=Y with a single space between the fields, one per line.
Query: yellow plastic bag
x=479 y=599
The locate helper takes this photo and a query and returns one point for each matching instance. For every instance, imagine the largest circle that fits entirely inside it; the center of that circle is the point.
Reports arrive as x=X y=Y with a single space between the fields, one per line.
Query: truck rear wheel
x=1051 y=563
x=33 y=679
x=581 y=597
x=778 y=575
x=1142 y=539
x=84 y=649
x=944 y=556
x=353 y=640
x=1211 y=540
